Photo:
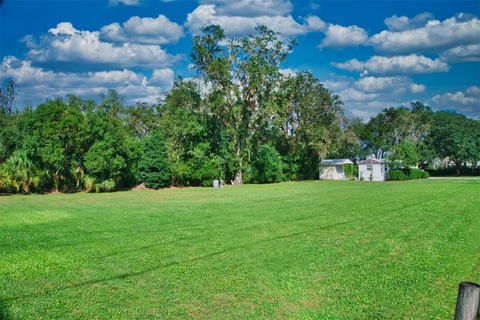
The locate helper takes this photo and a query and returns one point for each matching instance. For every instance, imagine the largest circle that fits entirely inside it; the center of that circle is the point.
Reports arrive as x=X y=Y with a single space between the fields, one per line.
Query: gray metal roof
x=335 y=162
x=372 y=161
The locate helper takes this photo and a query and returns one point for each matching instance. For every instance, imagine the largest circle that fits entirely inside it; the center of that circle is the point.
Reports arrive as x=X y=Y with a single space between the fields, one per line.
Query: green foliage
x=456 y=137
x=397 y=174
x=451 y=171
x=7 y=97
x=243 y=76
x=414 y=173
x=18 y=173
x=204 y=166
x=308 y=119
x=56 y=141
x=107 y=185
x=153 y=167
x=242 y=119
x=384 y=132
x=89 y=183
x=403 y=155
x=350 y=171
x=267 y=165
x=407 y=174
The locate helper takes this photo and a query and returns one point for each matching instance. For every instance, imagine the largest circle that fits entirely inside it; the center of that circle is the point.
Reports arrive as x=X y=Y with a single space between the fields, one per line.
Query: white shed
x=332 y=169
x=372 y=170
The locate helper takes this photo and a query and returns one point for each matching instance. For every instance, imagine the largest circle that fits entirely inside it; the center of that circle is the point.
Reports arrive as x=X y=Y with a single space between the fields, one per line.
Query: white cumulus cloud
x=242 y=24
x=251 y=8
x=157 y=30
x=409 y=64
x=66 y=44
x=34 y=84
x=434 y=36
x=340 y=36
x=467 y=101
x=124 y=2
x=467 y=53
x=402 y=23
x=393 y=85
x=366 y=96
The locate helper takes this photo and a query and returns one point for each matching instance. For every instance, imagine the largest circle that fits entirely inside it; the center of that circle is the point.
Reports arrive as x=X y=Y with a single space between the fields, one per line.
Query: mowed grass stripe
x=295 y=250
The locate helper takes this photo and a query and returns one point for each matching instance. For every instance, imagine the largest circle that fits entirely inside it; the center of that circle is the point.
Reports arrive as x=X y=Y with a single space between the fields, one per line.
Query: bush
x=415 y=173
x=268 y=165
x=104 y=160
x=19 y=174
x=107 y=185
x=451 y=171
x=89 y=183
x=350 y=171
x=206 y=167
x=407 y=174
x=404 y=154
x=153 y=167
x=397 y=175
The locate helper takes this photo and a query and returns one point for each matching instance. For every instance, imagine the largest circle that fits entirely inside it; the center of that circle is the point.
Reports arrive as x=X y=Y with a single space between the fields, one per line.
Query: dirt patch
x=141 y=187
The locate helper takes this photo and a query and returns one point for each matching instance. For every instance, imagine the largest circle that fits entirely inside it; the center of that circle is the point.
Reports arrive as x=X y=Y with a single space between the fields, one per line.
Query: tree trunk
x=26 y=186
x=238 y=177
x=458 y=165
x=238 y=180
x=56 y=181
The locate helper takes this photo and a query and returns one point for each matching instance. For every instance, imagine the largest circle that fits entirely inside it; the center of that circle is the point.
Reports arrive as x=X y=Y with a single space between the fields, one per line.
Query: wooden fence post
x=468 y=301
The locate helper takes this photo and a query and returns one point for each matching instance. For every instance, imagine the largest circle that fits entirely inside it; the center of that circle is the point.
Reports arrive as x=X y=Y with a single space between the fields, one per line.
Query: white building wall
x=376 y=174
x=331 y=173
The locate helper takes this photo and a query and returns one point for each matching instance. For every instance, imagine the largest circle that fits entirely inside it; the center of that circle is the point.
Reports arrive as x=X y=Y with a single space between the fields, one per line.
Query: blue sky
x=374 y=54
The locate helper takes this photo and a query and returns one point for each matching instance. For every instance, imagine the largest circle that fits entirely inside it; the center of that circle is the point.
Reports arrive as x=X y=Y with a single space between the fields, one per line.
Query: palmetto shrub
x=89 y=183
x=19 y=174
x=107 y=185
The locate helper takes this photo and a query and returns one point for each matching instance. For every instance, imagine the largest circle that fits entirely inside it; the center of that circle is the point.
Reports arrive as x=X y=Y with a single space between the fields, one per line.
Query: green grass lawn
x=309 y=250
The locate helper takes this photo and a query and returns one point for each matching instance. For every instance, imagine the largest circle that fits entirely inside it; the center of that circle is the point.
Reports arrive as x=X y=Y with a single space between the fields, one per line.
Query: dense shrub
x=268 y=165
x=407 y=174
x=103 y=160
x=404 y=154
x=451 y=171
x=350 y=171
x=106 y=186
x=19 y=174
x=89 y=183
x=397 y=174
x=417 y=174
x=153 y=167
x=204 y=166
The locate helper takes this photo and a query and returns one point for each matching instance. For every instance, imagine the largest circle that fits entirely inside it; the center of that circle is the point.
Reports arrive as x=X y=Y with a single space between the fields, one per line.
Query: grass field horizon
x=297 y=250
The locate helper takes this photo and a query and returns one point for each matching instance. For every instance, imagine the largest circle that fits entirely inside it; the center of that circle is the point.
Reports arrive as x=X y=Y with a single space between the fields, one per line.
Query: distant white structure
x=332 y=169
x=372 y=170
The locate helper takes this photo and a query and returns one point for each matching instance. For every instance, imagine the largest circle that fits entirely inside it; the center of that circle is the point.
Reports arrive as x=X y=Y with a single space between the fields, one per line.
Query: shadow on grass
x=179 y=262
x=371 y=218
x=3 y=311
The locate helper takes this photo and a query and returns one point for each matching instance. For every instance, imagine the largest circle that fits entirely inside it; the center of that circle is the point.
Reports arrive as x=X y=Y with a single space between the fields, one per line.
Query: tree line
x=241 y=120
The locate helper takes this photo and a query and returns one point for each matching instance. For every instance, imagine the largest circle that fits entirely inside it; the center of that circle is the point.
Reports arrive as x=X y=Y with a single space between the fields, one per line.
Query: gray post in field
x=468 y=301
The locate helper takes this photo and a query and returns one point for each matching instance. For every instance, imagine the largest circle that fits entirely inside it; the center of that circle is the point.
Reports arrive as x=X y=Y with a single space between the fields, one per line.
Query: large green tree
x=56 y=141
x=243 y=77
x=190 y=136
x=382 y=133
x=308 y=118
x=153 y=167
x=456 y=137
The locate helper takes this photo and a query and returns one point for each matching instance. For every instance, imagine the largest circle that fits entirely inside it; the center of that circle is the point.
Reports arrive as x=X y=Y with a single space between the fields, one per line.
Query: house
x=332 y=169
x=372 y=170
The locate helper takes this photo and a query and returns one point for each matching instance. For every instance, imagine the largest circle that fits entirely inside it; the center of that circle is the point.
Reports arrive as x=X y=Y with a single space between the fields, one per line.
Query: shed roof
x=372 y=161
x=335 y=162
